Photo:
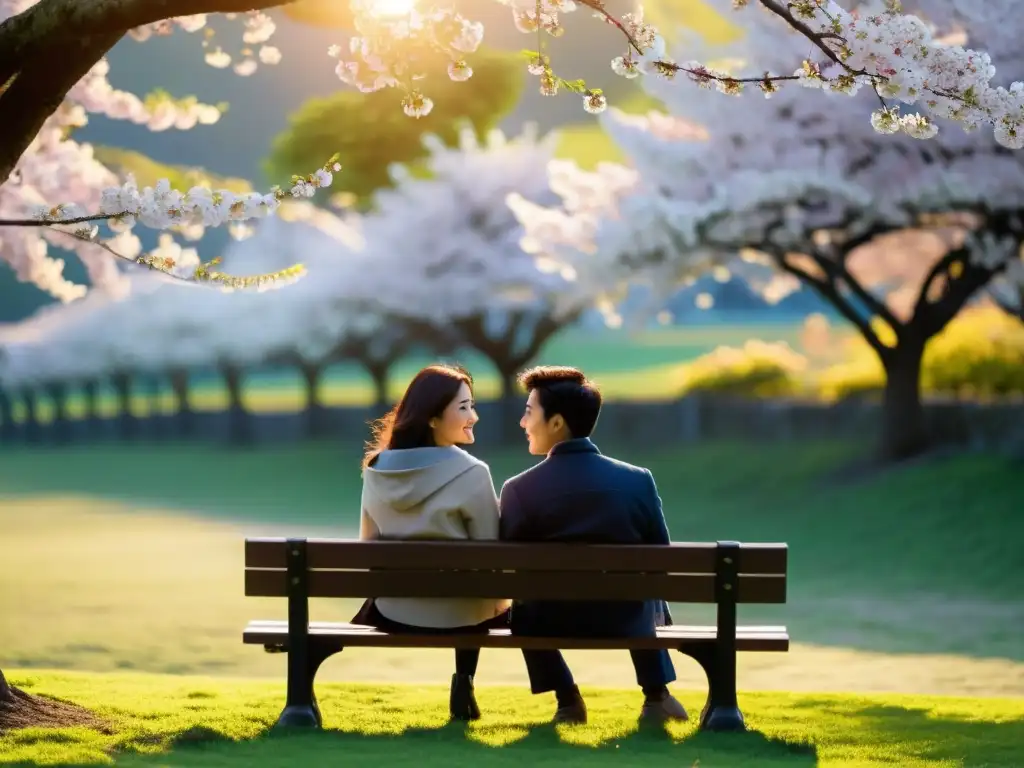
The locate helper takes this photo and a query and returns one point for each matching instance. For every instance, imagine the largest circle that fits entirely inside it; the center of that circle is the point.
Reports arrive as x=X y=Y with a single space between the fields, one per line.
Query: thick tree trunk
x=379 y=374
x=516 y=348
x=48 y=47
x=509 y=385
x=316 y=415
x=91 y=398
x=126 y=424
x=5 y=688
x=152 y=388
x=904 y=425
x=239 y=424
x=182 y=402
x=91 y=393
x=31 y=423
x=61 y=427
x=7 y=428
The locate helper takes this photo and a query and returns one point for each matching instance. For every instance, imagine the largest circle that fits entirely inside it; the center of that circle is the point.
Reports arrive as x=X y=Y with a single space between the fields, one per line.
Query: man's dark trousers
x=548 y=670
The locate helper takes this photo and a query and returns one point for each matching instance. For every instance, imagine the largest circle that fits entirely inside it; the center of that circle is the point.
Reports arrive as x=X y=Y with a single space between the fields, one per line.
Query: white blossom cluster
x=176 y=326
x=259 y=28
x=392 y=51
x=715 y=176
x=434 y=250
x=455 y=242
x=55 y=167
x=875 y=46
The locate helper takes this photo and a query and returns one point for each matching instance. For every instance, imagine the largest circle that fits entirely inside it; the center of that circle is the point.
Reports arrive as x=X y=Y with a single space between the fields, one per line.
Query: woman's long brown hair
x=407 y=425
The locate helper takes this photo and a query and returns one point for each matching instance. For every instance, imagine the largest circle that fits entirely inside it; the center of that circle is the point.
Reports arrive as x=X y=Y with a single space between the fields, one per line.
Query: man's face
x=541 y=434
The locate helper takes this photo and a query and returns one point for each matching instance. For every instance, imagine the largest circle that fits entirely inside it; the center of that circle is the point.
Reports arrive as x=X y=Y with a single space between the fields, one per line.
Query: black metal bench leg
x=305 y=653
x=721 y=711
x=301 y=709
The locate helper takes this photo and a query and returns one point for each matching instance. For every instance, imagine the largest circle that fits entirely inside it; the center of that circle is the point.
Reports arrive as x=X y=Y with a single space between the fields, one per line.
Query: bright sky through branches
x=390 y=9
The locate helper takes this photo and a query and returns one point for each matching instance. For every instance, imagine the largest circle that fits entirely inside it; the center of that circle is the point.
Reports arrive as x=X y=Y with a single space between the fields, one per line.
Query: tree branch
x=930 y=318
x=876 y=305
x=48 y=47
x=784 y=13
x=828 y=289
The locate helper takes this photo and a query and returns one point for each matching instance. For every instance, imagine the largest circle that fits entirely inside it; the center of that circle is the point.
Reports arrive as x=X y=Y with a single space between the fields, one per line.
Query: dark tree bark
x=47 y=48
x=378 y=353
x=8 y=430
x=30 y=426
x=379 y=372
x=90 y=396
x=182 y=402
x=127 y=424
x=317 y=425
x=509 y=353
x=904 y=426
x=91 y=392
x=6 y=691
x=155 y=422
x=61 y=426
x=239 y=423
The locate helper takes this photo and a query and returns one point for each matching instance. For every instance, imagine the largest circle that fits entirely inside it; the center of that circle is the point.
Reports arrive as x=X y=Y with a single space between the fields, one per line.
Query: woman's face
x=455 y=425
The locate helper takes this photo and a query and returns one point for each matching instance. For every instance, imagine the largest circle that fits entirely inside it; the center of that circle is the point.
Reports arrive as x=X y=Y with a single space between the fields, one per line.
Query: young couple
x=419 y=484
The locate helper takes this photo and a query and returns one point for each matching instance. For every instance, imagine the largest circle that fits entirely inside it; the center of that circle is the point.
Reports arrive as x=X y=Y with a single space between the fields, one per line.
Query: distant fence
x=688 y=420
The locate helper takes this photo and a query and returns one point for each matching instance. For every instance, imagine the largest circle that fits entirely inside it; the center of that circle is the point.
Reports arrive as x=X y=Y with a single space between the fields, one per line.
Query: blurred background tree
x=370 y=132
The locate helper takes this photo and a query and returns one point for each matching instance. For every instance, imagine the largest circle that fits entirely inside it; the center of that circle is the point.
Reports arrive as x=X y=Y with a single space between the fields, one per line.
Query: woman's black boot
x=462 y=703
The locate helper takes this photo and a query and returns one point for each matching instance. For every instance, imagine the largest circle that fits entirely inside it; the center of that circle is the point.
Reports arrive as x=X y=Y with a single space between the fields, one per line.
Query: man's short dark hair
x=565 y=391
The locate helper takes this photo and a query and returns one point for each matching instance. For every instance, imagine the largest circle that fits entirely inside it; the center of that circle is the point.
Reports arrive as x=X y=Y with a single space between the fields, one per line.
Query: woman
x=418 y=484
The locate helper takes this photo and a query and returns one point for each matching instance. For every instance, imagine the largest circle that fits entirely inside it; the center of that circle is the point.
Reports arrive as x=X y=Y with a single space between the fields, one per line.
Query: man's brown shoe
x=574 y=711
x=667 y=707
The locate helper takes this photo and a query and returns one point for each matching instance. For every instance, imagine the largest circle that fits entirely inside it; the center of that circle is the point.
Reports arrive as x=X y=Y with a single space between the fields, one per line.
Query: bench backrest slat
x=478 y=555
x=684 y=572
x=530 y=585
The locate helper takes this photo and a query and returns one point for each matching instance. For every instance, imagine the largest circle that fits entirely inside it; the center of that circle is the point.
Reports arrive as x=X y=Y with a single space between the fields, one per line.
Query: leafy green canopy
x=369 y=131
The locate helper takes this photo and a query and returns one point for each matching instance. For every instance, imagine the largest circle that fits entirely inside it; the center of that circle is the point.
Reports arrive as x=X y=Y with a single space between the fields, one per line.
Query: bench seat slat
x=275 y=633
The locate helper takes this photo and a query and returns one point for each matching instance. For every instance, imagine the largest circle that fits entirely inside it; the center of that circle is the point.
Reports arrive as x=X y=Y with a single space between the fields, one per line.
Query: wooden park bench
x=726 y=573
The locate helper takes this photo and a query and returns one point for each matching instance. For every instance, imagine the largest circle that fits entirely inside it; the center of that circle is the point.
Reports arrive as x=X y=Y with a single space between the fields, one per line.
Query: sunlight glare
x=390 y=8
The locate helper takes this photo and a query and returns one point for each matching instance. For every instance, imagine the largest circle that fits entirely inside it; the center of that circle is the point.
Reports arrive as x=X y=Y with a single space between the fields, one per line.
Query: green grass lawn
x=130 y=557
x=195 y=721
x=641 y=365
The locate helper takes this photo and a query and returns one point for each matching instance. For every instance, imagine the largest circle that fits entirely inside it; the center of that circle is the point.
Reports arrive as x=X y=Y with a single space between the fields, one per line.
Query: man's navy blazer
x=577 y=494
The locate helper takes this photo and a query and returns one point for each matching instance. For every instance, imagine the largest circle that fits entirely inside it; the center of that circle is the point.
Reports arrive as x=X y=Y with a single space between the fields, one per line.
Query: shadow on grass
x=809 y=732
x=997 y=740
x=529 y=746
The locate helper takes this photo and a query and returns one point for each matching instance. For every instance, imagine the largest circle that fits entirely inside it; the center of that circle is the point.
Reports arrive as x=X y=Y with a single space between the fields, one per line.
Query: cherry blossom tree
x=49 y=48
x=464 y=269
x=52 y=72
x=160 y=327
x=335 y=313
x=30 y=366
x=800 y=185
x=177 y=329
x=51 y=179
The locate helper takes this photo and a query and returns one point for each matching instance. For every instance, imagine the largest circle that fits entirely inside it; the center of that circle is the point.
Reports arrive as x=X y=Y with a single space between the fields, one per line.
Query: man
x=578 y=494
